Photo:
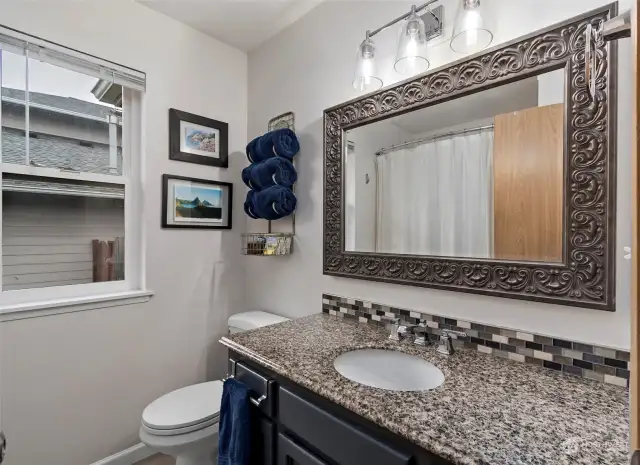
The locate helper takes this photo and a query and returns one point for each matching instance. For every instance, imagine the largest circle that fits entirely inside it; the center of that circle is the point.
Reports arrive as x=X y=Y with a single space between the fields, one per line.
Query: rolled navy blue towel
x=285 y=143
x=278 y=143
x=274 y=202
x=234 y=440
x=251 y=148
x=274 y=171
x=249 y=205
x=246 y=176
x=263 y=148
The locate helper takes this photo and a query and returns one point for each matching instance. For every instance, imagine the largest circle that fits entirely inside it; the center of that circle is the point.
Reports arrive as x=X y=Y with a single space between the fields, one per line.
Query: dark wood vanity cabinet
x=293 y=426
x=290 y=453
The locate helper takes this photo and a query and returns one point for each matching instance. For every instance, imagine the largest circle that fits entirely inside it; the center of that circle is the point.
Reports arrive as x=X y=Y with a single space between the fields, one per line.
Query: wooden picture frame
x=586 y=275
x=196 y=139
x=207 y=204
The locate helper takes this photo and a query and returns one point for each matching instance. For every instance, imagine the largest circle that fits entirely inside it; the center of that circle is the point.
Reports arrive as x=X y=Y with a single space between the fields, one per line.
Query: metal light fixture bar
x=405 y=16
x=471 y=33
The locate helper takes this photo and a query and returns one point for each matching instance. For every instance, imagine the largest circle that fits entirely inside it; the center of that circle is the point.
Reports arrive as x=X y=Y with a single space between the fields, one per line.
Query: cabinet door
x=289 y=453
x=262 y=441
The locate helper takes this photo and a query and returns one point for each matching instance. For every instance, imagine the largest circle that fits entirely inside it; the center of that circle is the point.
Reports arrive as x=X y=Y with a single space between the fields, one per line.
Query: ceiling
x=243 y=24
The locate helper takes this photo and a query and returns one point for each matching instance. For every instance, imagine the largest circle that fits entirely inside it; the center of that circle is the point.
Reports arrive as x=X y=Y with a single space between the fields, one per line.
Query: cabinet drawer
x=342 y=441
x=263 y=388
x=289 y=453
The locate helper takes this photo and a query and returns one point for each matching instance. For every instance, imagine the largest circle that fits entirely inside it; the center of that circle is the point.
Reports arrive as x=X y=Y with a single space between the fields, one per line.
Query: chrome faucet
x=398 y=331
x=445 y=346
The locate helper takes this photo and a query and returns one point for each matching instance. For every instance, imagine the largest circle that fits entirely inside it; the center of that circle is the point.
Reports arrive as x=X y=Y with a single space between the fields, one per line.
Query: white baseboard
x=128 y=456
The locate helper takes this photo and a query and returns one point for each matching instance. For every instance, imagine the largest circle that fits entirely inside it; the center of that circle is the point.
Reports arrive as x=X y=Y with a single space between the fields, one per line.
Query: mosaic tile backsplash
x=573 y=358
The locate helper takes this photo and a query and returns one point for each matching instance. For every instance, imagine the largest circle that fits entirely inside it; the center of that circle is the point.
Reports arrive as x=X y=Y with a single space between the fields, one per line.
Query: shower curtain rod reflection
x=391 y=148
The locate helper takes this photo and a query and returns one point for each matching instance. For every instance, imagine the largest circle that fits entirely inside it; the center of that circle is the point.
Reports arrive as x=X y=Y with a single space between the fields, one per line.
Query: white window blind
x=49 y=52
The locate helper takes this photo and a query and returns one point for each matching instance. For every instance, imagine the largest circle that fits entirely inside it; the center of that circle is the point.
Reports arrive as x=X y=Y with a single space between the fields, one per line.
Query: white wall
x=368 y=140
x=551 y=88
x=307 y=68
x=73 y=386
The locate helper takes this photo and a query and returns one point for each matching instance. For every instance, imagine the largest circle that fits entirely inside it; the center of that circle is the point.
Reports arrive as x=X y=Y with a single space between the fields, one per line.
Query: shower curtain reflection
x=436 y=198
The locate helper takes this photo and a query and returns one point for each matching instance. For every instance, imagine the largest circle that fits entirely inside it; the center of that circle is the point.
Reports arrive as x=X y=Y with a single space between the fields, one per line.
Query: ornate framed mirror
x=492 y=175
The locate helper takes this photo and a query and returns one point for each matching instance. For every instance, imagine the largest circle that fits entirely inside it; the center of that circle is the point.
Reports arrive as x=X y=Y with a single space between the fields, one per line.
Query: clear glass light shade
x=366 y=76
x=412 y=47
x=470 y=30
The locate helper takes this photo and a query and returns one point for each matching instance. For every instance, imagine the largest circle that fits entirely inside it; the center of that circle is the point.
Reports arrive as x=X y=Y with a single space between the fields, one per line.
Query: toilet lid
x=184 y=407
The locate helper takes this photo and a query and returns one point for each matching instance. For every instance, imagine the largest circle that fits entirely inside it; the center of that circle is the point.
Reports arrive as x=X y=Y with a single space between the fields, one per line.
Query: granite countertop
x=488 y=411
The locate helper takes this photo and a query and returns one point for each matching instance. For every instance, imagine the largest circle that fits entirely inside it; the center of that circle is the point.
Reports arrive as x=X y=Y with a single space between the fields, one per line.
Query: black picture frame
x=175 y=152
x=165 y=198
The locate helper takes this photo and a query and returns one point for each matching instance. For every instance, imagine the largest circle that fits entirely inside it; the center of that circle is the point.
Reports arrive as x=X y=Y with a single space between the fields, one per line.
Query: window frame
x=89 y=295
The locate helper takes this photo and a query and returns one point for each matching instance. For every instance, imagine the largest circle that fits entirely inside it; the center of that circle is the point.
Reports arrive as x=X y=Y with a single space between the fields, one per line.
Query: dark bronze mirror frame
x=586 y=276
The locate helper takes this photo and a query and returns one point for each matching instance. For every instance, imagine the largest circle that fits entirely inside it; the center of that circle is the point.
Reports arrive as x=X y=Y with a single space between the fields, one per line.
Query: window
x=70 y=185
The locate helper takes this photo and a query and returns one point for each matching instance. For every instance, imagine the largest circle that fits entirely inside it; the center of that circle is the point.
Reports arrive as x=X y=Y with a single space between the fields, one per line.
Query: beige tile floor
x=157 y=459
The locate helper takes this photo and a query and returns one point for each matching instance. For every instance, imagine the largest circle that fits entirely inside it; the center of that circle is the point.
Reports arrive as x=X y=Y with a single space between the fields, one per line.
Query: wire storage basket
x=267 y=244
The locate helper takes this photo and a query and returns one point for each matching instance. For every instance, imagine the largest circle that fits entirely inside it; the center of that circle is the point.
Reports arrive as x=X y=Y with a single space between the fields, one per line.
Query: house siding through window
x=47 y=239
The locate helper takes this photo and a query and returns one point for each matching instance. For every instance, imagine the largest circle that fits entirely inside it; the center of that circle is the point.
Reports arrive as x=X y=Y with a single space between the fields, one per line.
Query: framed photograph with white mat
x=196 y=203
x=196 y=139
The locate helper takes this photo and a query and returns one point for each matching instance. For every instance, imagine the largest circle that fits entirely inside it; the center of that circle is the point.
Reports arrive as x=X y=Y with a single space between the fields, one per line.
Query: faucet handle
x=394 y=320
x=450 y=332
x=446 y=345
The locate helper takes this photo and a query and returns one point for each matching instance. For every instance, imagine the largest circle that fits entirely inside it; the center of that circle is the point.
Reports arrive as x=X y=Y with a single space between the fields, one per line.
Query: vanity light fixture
x=412 y=47
x=411 y=57
x=470 y=34
x=470 y=31
x=366 y=78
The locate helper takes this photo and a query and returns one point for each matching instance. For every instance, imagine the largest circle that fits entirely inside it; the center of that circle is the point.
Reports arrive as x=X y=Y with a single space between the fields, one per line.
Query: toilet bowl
x=184 y=422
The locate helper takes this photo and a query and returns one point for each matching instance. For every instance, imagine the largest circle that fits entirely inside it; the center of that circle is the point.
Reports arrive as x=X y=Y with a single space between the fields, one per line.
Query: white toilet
x=184 y=423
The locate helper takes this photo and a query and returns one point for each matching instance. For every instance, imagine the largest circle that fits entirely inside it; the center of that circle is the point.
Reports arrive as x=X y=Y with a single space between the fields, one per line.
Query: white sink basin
x=388 y=369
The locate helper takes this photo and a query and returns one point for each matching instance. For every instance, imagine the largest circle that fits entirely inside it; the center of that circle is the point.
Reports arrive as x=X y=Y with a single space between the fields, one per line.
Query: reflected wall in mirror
x=480 y=176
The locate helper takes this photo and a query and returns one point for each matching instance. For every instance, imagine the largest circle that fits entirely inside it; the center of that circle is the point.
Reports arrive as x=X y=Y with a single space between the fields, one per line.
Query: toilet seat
x=178 y=431
x=184 y=410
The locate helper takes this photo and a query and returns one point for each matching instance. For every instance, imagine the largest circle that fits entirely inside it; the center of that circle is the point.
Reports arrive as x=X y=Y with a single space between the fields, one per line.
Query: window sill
x=70 y=305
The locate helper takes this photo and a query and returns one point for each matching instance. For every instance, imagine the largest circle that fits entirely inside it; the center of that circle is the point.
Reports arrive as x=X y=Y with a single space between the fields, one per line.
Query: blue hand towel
x=274 y=202
x=274 y=171
x=249 y=208
x=234 y=442
x=285 y=143
x=251 y=149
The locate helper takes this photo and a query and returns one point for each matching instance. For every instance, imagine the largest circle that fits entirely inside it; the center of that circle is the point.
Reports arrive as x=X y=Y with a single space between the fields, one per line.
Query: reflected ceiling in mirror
x=479 y=177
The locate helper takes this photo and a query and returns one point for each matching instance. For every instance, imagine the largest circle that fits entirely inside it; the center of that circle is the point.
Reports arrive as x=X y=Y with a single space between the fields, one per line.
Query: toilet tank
x=251 y=320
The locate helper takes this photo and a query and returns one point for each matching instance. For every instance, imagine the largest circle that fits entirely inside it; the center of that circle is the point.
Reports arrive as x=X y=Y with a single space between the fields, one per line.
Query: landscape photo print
x=199 y=140
x=196 y=203
x=199 y=204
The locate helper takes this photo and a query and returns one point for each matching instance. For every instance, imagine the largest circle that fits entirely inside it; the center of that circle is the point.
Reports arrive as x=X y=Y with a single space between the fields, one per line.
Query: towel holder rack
x=253 y=400
x=273 y=243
